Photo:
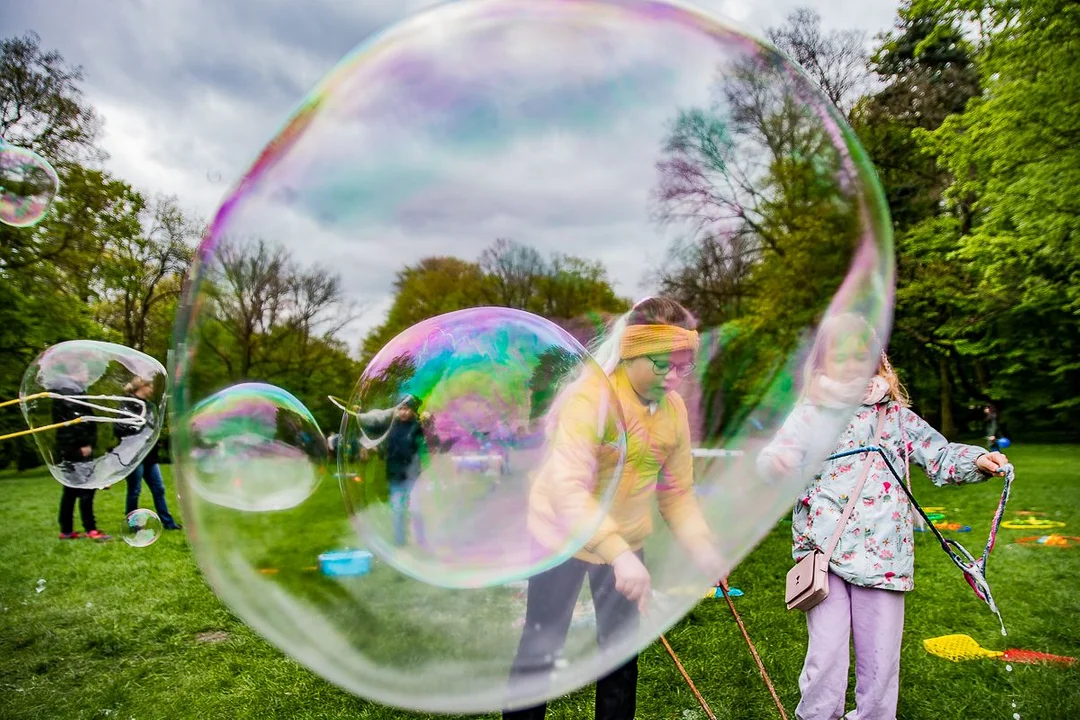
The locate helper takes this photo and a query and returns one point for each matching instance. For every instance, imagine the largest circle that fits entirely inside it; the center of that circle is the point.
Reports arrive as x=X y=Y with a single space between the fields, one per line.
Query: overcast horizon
x=191 y=92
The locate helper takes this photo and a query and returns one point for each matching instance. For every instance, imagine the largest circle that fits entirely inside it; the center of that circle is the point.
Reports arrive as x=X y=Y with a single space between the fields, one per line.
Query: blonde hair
x=835 y=328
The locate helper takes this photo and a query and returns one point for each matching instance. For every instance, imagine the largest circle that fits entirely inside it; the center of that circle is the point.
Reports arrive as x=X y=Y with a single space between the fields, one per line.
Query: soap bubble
x=142 y=528
x=28 y=185
x=108 y=401
x=563 y=159
x=253 y=447
x=451 y=429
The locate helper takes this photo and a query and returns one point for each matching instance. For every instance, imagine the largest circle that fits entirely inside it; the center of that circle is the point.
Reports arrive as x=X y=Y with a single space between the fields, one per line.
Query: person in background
x=150 y=470
x=403 y=441
x=75 y=456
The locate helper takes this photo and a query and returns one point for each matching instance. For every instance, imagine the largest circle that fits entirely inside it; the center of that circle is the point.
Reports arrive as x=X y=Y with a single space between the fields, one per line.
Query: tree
x=41 y=106
x=513 y=271
x=142 y=272
x=433 y=286
x=835 y=61
x=264 y=316
x=768 y=205
x=927 y=73
x=1014 y=159
x=508 y=274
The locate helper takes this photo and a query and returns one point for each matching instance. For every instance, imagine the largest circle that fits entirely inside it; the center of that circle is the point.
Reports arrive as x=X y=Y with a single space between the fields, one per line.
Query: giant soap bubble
x=28 y=185
x=563 y=159
x=97 y=408
x=483 y=381
x=254 y=448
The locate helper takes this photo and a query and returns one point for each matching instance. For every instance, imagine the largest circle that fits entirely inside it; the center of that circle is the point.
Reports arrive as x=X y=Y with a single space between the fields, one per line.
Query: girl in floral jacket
x=873 y=563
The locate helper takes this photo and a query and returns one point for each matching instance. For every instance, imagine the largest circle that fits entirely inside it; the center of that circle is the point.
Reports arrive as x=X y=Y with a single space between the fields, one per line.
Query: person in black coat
x=402 y=445
x=75 y=458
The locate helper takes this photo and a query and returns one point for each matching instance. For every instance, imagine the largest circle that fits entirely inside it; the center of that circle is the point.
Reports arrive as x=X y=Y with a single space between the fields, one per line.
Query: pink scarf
x=830 y=393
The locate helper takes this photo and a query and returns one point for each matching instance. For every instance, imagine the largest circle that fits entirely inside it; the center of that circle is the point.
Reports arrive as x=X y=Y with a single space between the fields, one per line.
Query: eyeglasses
x=663 y=368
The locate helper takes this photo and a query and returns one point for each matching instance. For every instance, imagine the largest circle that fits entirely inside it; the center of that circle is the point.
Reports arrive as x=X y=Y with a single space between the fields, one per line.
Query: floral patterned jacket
x=877 y=548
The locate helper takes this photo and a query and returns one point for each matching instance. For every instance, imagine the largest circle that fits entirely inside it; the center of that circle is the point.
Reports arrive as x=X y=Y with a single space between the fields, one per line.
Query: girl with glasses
x=645 y=355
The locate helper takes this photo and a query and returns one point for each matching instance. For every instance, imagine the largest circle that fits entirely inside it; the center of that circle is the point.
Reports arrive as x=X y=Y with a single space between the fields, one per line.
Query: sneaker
x=70 y=536
x=98 y=535
x=177 y=526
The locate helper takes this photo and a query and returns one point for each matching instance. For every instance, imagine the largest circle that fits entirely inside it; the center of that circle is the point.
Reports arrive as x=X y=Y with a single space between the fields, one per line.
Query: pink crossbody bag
x=808 y=581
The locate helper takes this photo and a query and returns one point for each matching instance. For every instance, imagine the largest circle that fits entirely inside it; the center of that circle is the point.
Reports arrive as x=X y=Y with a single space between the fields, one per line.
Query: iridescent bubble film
x=28 y=185
x=97 y=409
x=447 y=446
x=142 y=528
x=254 y=447
x=565 y=160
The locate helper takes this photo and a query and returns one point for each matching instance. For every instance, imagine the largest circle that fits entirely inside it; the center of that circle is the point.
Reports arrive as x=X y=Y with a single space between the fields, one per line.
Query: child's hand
x=707 y=559
x=991 y=463
x=632 y=579
x=786 y=462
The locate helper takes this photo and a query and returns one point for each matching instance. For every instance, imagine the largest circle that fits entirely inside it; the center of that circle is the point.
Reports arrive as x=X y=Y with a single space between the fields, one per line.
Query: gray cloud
x=192 y=90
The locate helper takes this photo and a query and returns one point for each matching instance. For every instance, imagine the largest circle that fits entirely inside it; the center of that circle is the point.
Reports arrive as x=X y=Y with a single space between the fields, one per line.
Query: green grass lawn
x=120 y=632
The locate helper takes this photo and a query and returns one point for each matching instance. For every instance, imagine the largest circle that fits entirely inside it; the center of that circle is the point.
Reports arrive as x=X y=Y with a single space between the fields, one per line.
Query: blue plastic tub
x=345 y=562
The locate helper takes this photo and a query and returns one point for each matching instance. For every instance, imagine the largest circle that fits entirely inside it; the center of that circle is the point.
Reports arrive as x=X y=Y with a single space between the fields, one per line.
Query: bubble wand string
x=126 y=417
x=354 y=411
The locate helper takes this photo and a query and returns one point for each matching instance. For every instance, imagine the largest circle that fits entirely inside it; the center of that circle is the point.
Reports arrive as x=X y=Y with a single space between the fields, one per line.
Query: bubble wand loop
x=123 y=417
x=354 y=411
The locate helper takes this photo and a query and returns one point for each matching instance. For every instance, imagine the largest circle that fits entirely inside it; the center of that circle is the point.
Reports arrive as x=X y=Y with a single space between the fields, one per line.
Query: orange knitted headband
x=640 y=340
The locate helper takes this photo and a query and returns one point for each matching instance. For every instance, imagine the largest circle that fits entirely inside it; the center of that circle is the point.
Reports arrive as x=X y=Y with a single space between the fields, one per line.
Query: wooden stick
x=753 y=650
x=686 y=677
x=43 y=428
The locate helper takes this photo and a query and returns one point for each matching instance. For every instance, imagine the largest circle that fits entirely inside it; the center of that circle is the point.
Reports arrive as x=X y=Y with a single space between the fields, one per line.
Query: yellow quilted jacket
x=658 y=466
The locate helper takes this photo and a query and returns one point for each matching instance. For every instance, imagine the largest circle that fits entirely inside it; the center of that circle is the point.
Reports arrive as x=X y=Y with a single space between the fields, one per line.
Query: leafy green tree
x=560 y=288
x=927 y=73
x=761 y=192
x=1014 y=158
x=142 y=272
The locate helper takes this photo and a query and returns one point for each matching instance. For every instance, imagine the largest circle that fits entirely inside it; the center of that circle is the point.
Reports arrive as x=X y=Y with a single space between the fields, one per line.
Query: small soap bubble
x=142 y=528
x=28 y=186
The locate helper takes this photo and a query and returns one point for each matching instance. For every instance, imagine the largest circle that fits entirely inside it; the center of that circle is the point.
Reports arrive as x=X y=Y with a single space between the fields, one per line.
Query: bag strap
x=858 y=486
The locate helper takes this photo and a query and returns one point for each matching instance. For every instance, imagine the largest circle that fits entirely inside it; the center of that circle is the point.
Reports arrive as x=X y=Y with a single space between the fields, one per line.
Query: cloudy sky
x=191 y=91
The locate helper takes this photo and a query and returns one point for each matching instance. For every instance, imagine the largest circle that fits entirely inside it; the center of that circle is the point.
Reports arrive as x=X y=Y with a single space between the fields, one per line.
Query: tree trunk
x=948 y=426
x=982 y=376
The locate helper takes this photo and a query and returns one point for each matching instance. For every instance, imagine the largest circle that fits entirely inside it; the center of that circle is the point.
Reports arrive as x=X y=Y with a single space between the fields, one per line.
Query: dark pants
x=552 y=596
x=86 y=509
x=154 y=481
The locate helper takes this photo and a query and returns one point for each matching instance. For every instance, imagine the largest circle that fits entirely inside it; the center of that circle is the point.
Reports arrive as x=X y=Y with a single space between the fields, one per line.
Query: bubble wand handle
x=28 y=398
x=43 y=428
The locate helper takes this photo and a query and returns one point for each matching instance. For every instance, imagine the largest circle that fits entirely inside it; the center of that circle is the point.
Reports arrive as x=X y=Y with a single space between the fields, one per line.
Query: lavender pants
x=876 y=620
